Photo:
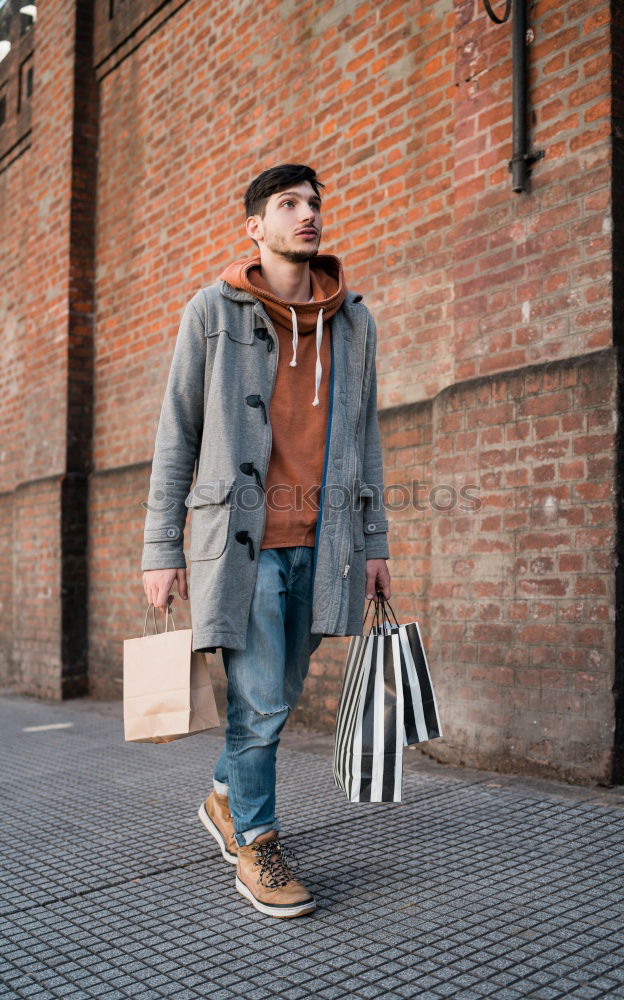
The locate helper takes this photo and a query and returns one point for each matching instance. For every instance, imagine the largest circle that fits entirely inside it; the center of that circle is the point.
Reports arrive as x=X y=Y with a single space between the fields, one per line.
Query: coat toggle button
x=250 y=470
x=245 y=539
x=255 y=400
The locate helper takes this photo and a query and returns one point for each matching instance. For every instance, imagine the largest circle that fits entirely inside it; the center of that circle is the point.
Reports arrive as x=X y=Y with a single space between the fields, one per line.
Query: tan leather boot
x=216 y=816
x=263 y=876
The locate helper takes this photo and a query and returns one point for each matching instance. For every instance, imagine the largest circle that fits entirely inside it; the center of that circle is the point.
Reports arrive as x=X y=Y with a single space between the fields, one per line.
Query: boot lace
x=277 y=864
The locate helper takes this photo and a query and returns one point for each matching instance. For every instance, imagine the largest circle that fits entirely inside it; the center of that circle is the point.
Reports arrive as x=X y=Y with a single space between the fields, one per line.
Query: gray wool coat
x=215 y=425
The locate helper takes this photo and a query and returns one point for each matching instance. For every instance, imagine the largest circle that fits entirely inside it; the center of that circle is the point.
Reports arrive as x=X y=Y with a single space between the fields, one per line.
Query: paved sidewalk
x=477 y=885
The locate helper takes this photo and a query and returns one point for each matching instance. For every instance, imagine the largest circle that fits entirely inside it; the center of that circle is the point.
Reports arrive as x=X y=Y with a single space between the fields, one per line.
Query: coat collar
x=243 y=329
x=238 y=295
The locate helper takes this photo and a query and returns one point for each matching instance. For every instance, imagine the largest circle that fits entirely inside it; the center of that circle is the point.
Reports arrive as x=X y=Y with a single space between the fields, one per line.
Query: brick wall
x=36 y=664
x=497 y=365
x=522 y=591
x=41 y=309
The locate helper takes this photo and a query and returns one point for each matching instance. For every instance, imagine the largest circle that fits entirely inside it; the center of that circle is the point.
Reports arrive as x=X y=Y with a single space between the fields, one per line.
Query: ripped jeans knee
x=258 y=725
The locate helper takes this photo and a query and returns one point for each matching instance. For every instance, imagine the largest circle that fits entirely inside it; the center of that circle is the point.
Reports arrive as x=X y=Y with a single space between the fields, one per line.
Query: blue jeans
x=264 y=682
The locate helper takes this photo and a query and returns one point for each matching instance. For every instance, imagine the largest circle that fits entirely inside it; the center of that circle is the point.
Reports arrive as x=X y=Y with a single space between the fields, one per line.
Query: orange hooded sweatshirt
x=299 y=407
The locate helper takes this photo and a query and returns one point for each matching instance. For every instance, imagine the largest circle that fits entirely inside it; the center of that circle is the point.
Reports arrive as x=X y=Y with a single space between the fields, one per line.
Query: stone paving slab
x=475 y=886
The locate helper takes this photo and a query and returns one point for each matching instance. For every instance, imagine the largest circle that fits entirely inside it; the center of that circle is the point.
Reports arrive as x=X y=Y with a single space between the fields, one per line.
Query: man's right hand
x=158 y=582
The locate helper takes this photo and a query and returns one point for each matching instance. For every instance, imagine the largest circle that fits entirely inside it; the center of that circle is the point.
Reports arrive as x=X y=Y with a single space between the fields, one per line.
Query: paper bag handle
x=385 y=604
x=378 y=620
x=168 y=611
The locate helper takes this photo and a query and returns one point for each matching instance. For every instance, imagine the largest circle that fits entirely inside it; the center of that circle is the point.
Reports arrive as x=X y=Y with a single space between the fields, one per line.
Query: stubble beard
x=278 y=245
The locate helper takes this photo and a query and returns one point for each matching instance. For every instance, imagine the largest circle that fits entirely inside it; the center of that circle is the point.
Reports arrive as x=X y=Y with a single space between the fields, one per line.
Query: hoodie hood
x=328 y=293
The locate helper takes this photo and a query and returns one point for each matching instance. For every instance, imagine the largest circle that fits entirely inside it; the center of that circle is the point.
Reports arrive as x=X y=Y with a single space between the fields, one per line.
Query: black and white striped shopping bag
x=387 y=702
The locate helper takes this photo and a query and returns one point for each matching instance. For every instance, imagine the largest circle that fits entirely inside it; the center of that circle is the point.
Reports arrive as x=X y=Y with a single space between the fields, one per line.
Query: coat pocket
x=211 y=505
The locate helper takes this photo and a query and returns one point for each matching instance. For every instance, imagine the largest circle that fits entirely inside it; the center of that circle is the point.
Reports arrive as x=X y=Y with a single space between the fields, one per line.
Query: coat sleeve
x=375 y=516
x=177 y=445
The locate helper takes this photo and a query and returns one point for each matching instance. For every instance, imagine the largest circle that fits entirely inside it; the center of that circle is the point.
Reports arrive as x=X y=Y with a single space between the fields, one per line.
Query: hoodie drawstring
x=319 y=338
x=319 y=370
x=295 y=337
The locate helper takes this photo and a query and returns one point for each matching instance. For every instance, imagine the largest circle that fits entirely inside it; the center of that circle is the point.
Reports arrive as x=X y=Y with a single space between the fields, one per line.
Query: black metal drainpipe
x=521 y=159
x=519 y=166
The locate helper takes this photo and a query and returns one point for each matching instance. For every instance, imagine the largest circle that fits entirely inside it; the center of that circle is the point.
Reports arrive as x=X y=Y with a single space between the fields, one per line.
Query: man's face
x=292 y=225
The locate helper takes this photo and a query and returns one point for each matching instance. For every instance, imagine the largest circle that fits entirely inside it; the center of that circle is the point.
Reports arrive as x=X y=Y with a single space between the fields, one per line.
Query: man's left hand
x=377 y=578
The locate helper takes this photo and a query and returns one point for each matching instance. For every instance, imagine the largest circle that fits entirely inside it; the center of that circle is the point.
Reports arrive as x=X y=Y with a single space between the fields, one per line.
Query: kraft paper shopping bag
x=167 y=691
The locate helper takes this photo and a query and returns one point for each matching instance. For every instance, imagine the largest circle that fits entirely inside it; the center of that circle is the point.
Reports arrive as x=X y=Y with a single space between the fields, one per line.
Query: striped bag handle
x=385 y=617
x=379 y=619
x=375 y=620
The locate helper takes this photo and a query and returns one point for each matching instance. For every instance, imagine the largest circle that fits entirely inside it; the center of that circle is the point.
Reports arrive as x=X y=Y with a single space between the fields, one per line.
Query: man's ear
x=253 y=225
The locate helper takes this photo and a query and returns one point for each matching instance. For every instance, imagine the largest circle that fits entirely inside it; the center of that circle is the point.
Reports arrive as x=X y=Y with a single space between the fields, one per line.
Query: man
x=272 y=392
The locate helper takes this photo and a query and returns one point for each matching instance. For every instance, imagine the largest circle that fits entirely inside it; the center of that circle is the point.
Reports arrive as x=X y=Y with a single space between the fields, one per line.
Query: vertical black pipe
x=80 y=331
x=519 y=165
x=617 y=265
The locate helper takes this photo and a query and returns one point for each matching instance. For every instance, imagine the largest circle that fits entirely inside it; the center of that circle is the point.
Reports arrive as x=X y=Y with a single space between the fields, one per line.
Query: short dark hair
x=277 y=179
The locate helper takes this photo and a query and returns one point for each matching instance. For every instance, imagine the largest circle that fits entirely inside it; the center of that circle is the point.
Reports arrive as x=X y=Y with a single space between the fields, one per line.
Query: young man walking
x=271 y=400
